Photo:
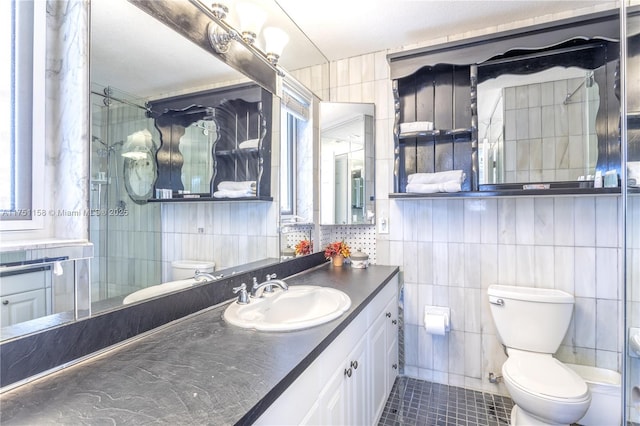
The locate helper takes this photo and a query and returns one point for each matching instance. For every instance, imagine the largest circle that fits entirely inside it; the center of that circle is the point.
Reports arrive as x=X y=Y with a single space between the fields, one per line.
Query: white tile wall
x=532 y=250
x=228 y=233
x=532 y=128
x=465 y=245
x=633 y=295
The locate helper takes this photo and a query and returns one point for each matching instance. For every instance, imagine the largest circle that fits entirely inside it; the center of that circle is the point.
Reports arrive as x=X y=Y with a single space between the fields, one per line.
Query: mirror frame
x=568 y=55
x=355 y=111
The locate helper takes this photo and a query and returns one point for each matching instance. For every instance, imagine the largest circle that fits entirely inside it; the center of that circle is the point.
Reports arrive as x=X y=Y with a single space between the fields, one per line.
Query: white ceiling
x=345 y=28
x=135 y=53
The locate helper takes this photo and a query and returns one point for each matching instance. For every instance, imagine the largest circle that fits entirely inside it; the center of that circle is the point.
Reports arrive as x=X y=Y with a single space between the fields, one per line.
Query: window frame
x=290 y=141
x=28 y=140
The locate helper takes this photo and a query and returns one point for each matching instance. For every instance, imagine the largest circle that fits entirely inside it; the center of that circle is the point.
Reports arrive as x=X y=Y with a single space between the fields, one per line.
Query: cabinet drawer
x=27 y=281
x=381 y=300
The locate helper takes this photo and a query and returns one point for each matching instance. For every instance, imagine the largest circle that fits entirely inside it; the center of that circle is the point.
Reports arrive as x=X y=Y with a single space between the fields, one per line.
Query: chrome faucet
x=258 y=289
x=241 y=291
x=206 y=277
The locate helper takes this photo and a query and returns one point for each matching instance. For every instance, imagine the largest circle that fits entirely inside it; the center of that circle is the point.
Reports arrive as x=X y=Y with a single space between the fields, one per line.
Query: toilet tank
x=183 y=269
x=530 y=319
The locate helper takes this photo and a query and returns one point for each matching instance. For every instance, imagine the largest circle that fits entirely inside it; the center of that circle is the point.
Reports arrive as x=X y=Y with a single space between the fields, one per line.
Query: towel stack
x=248 y=144
x=416 y=126
x=429 y=183
x=633 y=174
x=230 y=189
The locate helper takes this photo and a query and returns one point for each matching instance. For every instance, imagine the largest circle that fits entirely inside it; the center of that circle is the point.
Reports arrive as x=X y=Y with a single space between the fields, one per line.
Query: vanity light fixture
x=251 y=18
x=137 y=145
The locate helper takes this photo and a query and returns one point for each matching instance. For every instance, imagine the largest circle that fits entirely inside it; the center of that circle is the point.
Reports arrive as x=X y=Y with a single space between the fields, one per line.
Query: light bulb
x=251 y=18
x=275 y=41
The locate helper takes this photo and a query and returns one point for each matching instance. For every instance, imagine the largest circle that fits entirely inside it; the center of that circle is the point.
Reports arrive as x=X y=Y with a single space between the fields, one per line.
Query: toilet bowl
x=544 y=388
x=531 y=323
x=183 y=269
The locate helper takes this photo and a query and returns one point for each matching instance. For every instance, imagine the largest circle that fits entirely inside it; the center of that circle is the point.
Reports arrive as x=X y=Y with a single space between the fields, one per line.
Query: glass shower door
x=126 y=233
x=631 y=200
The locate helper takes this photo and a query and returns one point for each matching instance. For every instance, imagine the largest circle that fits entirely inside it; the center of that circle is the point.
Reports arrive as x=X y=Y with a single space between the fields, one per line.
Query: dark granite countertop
x=197 y=370
x=53 y=320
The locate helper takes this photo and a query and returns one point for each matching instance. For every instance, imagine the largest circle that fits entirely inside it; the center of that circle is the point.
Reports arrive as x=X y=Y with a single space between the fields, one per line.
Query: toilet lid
x=544 y=375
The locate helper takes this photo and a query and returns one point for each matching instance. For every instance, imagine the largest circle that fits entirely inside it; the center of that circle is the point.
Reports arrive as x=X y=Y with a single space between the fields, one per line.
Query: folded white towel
x=250 y=143
x=431 y=188
x=228 y=193
x=439 y=177
x=416 y=126
x=247 y=185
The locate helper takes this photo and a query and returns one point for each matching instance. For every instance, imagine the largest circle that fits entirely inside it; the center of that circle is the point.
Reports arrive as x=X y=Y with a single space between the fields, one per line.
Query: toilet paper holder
x=438 y=311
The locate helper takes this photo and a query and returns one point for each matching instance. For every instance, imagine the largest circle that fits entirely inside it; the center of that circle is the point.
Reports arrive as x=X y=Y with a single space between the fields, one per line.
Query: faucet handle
x=269 y=288
x=243 y=298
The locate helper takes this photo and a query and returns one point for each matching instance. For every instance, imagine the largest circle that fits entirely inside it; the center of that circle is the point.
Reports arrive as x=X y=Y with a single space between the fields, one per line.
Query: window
x=295 y=115
x=22 y=113
x=288 y=147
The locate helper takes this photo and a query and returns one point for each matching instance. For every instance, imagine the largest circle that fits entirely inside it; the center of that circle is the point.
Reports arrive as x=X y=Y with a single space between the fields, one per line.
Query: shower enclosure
x=631 y=205
x=126 y=234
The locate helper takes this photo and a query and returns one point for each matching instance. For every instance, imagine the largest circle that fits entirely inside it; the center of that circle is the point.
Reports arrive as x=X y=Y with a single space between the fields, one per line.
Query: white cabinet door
x=332 y=402
x=391 y=338
x=344 y=400
x=378 y=363
x=23 y=306
x=313 y=417
x=358 y=406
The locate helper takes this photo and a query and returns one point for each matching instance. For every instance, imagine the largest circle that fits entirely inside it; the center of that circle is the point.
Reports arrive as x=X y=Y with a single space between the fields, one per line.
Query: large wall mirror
x=549 y=115
x=346 y=163
x=132 y=66
x=135 y=59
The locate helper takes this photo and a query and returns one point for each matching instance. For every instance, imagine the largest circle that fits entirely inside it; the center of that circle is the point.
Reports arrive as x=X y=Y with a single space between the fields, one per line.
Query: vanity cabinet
x=352 y=377
x=221 y=135
x=24 y=296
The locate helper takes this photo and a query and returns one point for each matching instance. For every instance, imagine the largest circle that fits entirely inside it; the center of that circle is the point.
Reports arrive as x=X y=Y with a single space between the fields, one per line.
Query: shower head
x=97 y=139
x=590 y=79
x=107 y=148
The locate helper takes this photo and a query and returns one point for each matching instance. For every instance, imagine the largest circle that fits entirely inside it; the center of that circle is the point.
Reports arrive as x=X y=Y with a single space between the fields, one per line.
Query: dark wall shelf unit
x=512 y=193
x=241 y=113
x=438 y=85
x=440 y=95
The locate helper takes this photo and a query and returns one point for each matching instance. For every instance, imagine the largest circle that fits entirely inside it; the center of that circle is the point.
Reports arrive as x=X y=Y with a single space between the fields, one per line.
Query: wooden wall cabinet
x=439 y=85
x=237 y=119
x=440 y=95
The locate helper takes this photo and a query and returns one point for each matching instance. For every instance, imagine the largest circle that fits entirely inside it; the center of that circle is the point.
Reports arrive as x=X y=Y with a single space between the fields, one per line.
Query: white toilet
x=531 y=323
x=183 y=269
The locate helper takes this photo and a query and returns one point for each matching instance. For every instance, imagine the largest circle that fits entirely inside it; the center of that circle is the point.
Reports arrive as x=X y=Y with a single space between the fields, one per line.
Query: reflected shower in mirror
x=346 y=163
x=538 y=127
x=548 y=115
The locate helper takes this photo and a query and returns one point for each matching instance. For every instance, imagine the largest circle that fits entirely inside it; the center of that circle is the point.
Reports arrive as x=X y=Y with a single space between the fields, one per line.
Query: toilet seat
x=545 y=388
x=544 y=375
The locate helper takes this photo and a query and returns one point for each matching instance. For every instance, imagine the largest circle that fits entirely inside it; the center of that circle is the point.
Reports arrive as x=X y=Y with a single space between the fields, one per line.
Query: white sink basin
x=299 y=307
x=158 y=290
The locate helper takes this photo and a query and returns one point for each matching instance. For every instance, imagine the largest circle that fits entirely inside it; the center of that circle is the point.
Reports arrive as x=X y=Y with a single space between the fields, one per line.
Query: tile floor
x=417 y=402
